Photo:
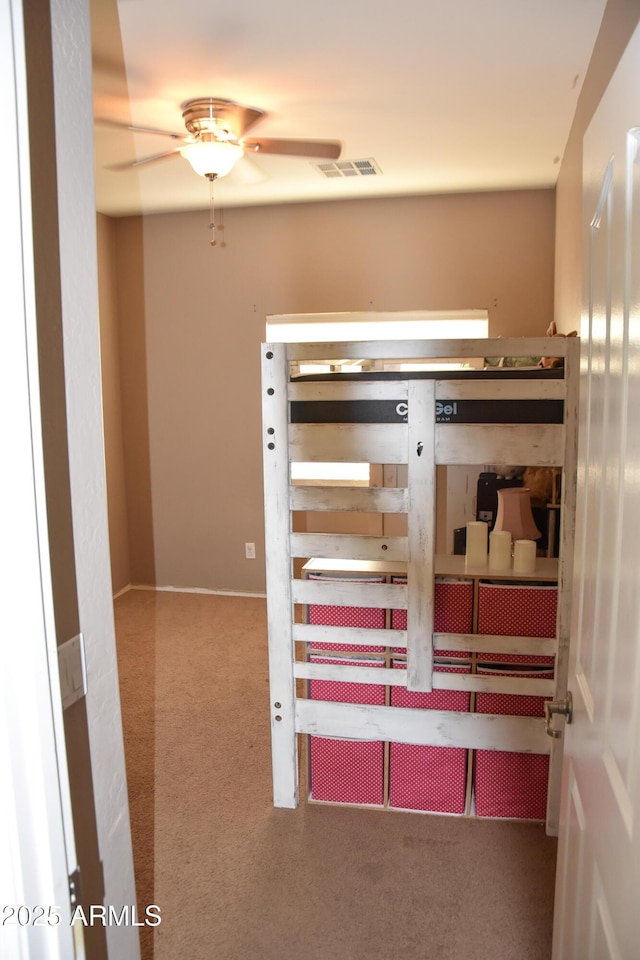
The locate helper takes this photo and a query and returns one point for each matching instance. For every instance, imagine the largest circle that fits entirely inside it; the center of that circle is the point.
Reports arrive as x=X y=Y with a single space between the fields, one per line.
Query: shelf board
x=446 y=565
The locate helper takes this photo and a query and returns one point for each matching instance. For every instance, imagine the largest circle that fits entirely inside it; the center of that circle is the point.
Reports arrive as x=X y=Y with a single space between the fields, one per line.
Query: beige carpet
x=237 y=879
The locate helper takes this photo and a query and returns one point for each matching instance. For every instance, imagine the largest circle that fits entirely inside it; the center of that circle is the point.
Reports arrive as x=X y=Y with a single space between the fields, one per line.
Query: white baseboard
x=122 y=591
x=170 y=589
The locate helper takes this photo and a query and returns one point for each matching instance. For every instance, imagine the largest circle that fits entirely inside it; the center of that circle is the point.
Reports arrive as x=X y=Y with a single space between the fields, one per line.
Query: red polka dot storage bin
x=336 y=616
x=508 y=784
x=452 y=612
x=509 y=610
x=347 y=771
x=425 y=778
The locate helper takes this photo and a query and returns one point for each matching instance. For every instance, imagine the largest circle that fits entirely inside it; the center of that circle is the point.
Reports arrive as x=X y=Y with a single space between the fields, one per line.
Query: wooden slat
x=565 y=578
x=372 y=316
x=534 y=444
x=486 y=643
x=380 y=595
x=284 y=754
x=356 y=499
x=462 y=642
x=465 y=682
x=419 y=349
x=500 y=389
x=456 y=443
x=439 y=728
x=348 y=390
x=348 y=442
x=422 y=524
x=366 y=568
x=305 y=670
x=516 y=686
x=312 y=633
x=337 y=545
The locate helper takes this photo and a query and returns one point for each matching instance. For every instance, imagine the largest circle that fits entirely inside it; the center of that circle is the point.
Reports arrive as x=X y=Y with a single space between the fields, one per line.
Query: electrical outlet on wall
x=250 y=551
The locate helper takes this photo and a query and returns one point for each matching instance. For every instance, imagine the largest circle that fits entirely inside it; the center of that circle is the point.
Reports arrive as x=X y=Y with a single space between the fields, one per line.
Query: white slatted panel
x=357 y=499
x=422 y=527
x=485 y=643
x=348 y=442
x=330 y=545
x=467 y=643
x=383 y=595
x=348 y=390
x=391 y=443
x=537 y=445
x=380 y=676
x=565 y=568
x=312 y=633
x=424 y=349
x=284 y=742
x=440 y=728
x=500 y=390
x=526 y=686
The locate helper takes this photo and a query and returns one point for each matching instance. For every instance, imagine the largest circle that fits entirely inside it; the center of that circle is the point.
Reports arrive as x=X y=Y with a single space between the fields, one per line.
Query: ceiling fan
x=216 y=138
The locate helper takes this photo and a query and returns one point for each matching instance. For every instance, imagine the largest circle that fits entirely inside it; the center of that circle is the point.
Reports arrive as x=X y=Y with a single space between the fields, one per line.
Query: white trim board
x=206 y=590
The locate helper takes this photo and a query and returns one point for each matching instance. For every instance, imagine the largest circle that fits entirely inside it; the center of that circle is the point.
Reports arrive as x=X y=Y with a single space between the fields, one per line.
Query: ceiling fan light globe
x=212 y=158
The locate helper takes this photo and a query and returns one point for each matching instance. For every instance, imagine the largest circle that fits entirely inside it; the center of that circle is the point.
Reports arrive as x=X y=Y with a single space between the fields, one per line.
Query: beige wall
x=618 y=24
x=112 y=404
x=191 y=319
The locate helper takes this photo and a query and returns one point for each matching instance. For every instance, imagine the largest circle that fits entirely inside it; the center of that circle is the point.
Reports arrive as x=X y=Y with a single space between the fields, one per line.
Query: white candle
x=500 y=550
x=476 y=551
x=524 y=556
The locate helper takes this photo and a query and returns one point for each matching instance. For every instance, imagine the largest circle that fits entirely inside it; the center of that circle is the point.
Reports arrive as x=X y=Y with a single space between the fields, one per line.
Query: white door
x=597 y=913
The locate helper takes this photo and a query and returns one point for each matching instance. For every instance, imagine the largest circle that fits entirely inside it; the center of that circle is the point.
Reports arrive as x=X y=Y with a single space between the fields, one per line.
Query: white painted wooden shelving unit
x=422 y=443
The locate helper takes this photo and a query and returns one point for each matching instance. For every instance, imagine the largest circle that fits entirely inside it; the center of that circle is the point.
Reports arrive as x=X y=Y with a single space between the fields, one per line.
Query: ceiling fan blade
x=326 y=149
x=107 y=121
x=130 y=164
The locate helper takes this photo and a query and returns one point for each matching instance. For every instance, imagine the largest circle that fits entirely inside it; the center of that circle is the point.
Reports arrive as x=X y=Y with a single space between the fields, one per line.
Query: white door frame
x=37 y=851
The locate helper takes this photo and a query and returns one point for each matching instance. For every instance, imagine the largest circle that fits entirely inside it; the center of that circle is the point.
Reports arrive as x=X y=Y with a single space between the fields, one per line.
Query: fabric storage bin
x=509 y=784
x=426 y=778
x=347 y=771
x=336 y=616
x=452 y=612
x=517 y=610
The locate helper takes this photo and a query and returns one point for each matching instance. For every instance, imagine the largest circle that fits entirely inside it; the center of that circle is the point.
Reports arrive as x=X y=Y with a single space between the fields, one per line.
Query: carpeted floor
x=238 y=880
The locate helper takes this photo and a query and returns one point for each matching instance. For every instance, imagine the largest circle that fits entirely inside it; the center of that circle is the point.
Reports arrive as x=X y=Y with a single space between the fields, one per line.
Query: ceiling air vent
x=348 y=168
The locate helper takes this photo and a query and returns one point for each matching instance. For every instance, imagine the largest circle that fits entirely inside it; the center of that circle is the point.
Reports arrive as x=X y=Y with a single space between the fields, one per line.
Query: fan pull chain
x=212 y=220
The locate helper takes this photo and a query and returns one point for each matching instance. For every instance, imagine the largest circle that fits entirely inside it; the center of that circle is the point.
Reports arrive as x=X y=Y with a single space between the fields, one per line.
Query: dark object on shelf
x=547 y=518
x=460 y=540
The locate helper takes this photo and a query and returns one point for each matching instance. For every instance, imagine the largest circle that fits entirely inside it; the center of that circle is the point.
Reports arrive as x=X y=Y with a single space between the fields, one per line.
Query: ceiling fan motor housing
x=223 y=119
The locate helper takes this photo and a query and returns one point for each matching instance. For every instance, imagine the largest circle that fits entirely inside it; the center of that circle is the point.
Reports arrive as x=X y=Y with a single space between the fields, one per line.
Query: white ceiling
x=445 y=95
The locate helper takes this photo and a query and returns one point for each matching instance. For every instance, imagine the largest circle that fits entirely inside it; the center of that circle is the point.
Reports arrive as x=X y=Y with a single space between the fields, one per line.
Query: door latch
x=563 y=707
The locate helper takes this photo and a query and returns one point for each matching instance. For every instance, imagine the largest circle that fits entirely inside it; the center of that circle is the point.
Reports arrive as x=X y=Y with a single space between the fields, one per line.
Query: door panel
x=605 y=943
x=573 y=840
